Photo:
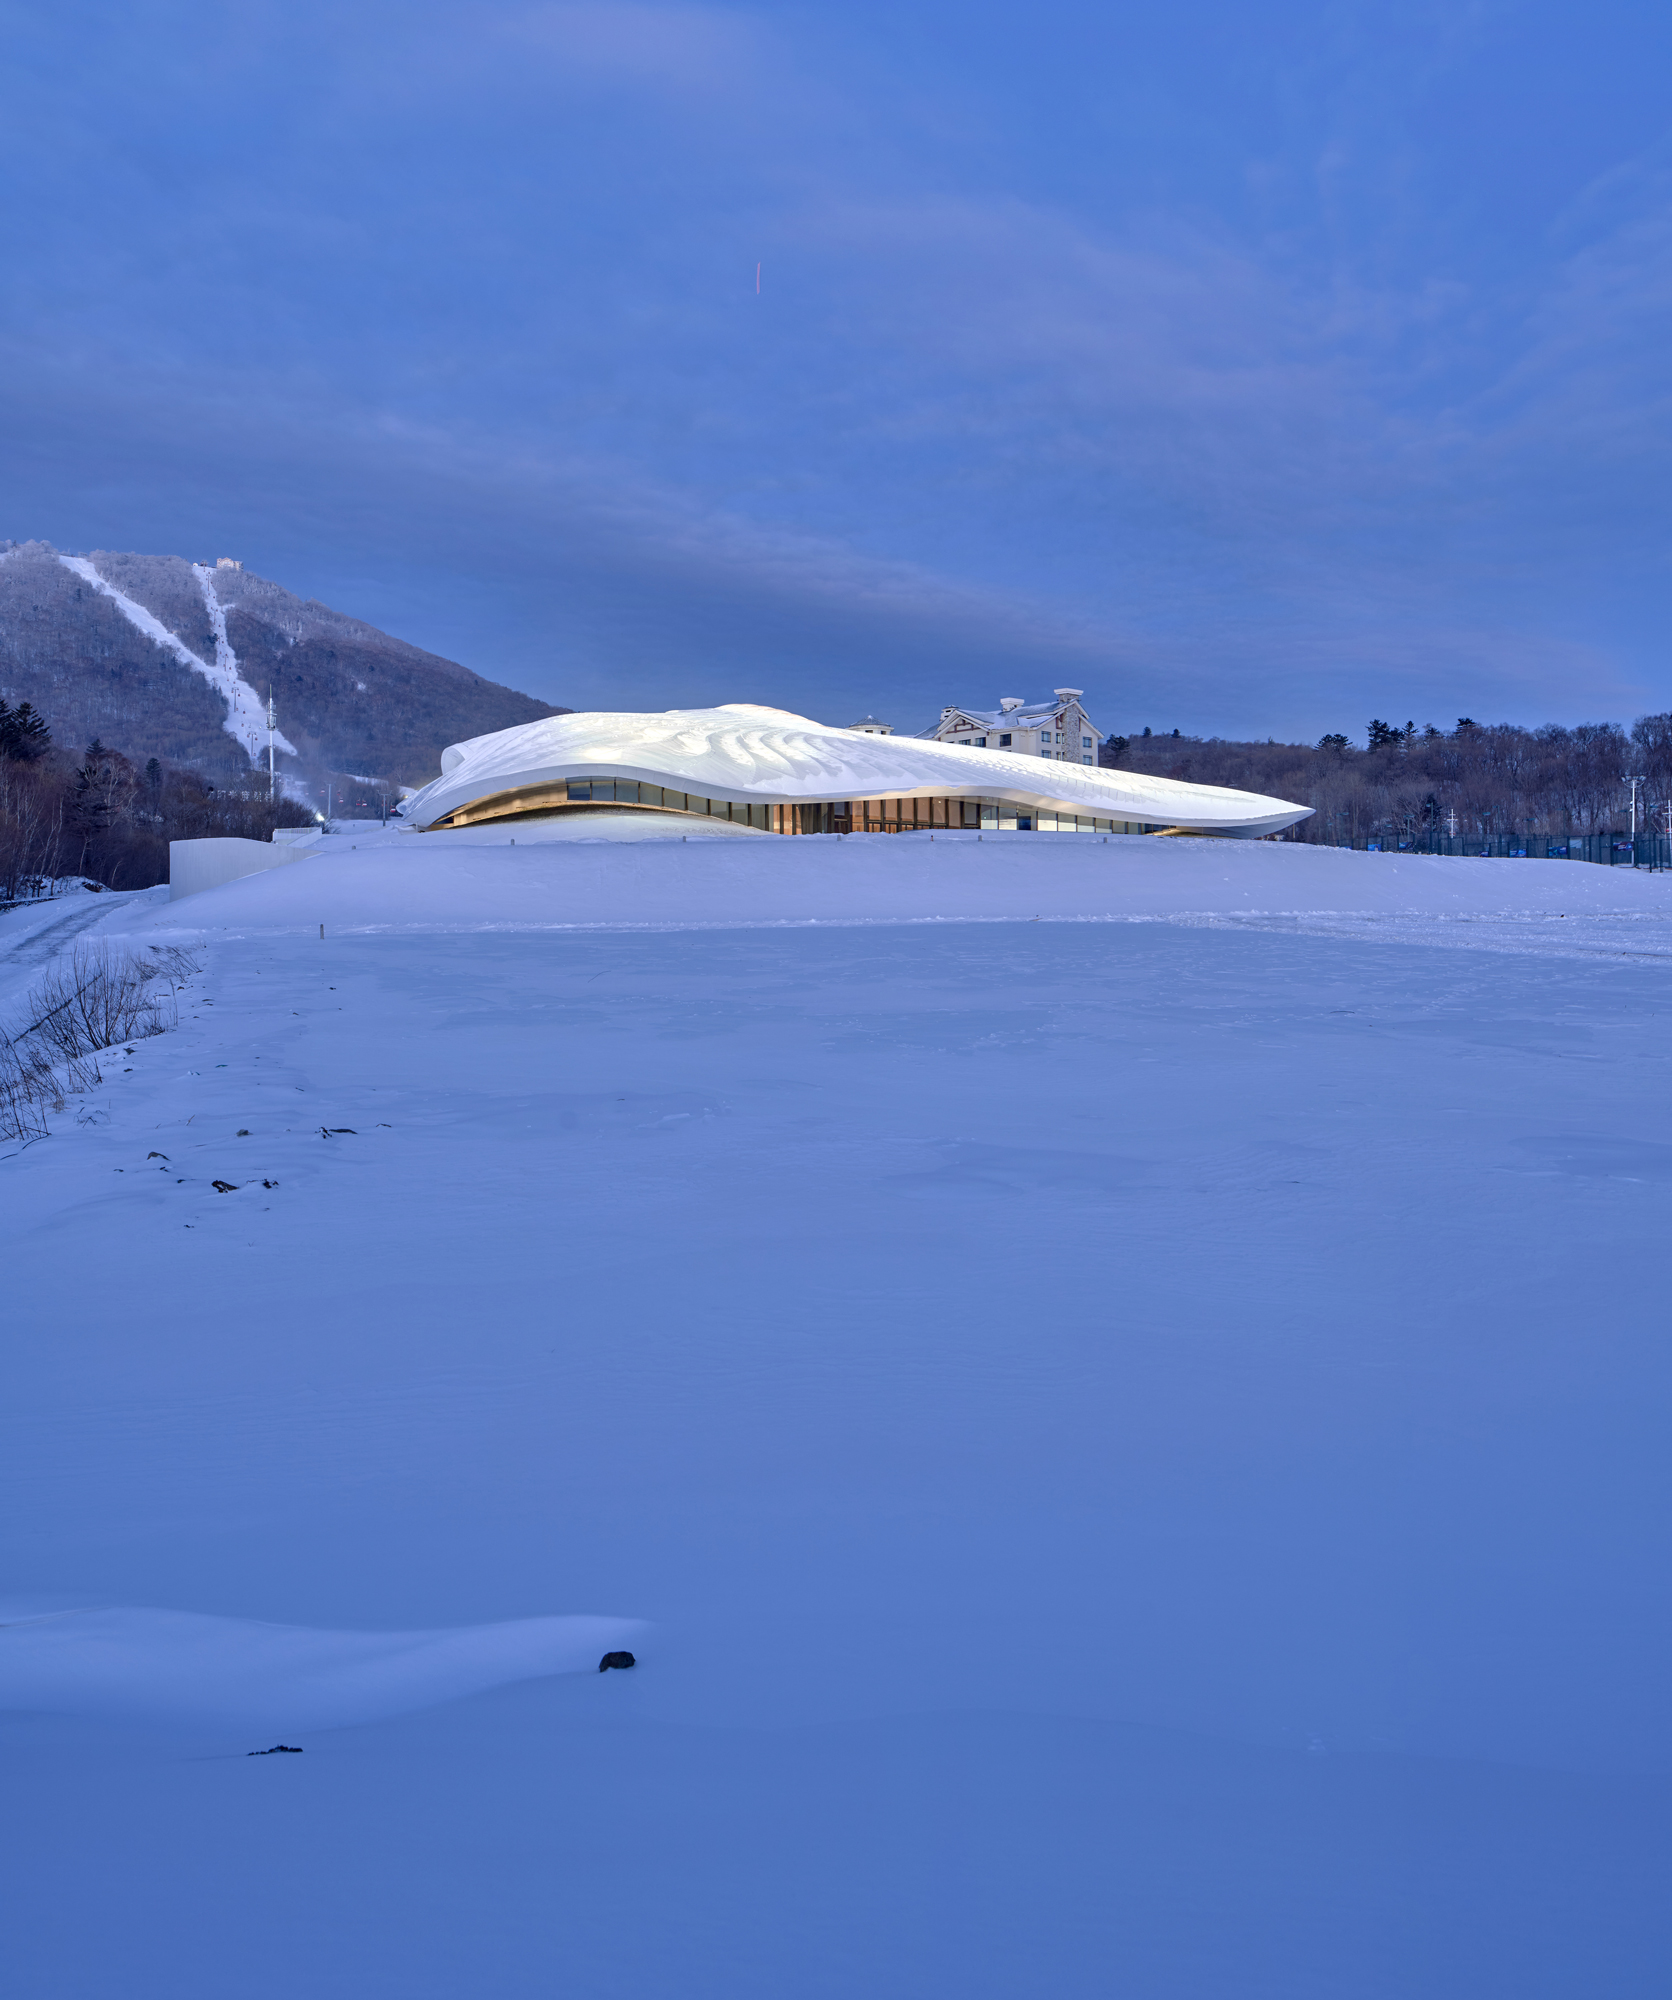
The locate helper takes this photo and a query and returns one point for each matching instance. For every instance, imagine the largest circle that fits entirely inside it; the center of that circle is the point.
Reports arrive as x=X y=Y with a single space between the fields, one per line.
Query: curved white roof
x=767 y=756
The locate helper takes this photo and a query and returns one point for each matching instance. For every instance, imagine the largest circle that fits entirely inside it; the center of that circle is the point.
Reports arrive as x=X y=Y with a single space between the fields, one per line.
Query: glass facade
x=828 y=816
x=623 y=792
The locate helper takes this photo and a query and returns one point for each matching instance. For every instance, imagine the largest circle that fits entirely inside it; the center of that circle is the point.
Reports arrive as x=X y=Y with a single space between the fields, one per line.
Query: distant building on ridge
x=1059 y=729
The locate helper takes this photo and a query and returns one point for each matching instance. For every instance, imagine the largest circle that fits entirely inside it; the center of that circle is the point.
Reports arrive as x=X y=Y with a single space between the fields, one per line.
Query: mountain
x=160 y=657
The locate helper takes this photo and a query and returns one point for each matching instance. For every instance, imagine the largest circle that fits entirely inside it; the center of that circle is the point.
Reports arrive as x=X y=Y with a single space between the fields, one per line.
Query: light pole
x=1634 y=783
x=272 y=780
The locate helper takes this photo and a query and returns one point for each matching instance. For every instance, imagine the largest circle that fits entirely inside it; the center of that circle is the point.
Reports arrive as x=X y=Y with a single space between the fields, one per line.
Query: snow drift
x=183 y=1666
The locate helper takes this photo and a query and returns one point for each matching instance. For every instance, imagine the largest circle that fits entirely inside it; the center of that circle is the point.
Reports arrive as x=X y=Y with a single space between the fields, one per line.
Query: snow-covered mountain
x=158 y=656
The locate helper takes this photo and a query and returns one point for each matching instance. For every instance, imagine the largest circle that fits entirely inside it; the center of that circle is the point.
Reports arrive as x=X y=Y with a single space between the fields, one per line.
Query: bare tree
x=1410 y=782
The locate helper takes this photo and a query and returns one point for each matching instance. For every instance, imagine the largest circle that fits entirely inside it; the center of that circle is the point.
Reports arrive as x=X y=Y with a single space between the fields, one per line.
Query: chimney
x=1009 y=701
x=1068 y=694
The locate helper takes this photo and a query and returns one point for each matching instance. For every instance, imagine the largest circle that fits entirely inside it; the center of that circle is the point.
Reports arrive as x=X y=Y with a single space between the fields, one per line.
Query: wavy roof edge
x=749 y=754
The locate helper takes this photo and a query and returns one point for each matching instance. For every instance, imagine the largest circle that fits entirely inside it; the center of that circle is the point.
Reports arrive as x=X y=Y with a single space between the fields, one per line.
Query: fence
x=1610 y=850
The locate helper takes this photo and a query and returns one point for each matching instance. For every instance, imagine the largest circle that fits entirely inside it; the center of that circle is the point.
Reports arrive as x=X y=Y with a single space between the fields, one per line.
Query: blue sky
x=1257 y=369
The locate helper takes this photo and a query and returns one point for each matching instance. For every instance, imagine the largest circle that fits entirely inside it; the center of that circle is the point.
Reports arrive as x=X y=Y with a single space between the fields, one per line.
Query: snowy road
x=33 y=934
x=1140 y=1447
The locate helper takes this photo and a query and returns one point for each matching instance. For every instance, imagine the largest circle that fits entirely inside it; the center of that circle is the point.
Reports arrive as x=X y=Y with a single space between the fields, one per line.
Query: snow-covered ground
x=651 y=870
x=1126 y=1385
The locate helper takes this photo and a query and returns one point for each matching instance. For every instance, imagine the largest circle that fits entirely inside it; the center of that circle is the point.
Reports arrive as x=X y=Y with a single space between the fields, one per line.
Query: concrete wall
x=196 y=865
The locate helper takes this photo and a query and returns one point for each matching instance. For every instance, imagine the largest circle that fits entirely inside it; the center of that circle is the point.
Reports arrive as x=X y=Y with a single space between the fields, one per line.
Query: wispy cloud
x=707 y=51
x=1256 y=446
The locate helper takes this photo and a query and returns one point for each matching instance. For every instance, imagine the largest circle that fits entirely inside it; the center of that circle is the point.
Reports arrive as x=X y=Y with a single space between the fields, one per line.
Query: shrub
x=96 y=996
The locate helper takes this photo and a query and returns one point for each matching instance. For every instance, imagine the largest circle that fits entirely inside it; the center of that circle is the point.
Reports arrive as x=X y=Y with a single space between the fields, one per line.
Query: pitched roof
x=1031 y=715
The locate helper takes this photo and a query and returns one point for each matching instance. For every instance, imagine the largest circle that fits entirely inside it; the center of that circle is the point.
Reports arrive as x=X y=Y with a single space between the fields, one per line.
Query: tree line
x=102 y=817
x=1477 y=780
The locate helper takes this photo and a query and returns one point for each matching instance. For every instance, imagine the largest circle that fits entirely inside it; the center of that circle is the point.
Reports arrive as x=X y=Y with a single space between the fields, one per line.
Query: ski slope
x=1129 y=1446
x=246 y=714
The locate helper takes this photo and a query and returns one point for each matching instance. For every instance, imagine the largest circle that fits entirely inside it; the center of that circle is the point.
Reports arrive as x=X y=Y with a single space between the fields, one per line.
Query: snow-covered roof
x=1027 y=715
x=753 y=755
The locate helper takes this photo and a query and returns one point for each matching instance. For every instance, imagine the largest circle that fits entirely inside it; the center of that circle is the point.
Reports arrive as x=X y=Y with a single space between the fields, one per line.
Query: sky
x=1256 y=370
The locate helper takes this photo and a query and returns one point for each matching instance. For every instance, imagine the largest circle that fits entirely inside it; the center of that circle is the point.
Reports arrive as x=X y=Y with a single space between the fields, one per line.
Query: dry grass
x=94 y=998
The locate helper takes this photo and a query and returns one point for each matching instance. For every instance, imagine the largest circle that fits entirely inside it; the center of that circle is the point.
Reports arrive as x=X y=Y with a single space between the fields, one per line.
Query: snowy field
x=1118 y=1393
